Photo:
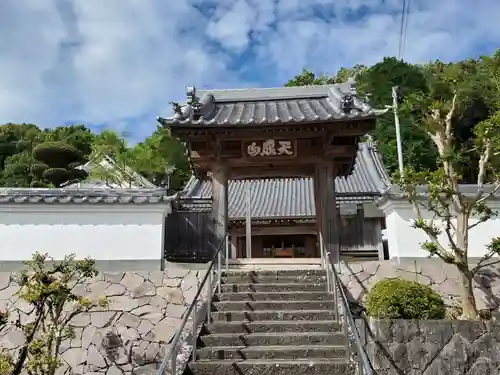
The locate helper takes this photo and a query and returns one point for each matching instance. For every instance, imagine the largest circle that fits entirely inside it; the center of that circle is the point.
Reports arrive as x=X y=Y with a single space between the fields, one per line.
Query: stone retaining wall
x=129 y=337
x=359 y=277
x=403 y=347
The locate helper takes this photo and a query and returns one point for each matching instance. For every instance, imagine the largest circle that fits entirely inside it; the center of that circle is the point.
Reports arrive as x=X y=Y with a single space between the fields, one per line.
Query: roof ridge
x=283 y=88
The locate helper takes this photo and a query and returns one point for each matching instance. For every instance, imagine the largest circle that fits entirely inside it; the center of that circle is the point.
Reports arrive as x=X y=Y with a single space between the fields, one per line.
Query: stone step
x=310 y=315
x=273 y=273
x=271 y=367
x=273 y=326
x=260 y=339
x=275 y=296
x=281 y=352
x=274 y=280
x=272 y=305
x=277 y=287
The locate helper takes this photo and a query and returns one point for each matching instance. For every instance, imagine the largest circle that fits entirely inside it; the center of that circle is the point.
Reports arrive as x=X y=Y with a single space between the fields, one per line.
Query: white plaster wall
x=104 y=232
x=405 y=241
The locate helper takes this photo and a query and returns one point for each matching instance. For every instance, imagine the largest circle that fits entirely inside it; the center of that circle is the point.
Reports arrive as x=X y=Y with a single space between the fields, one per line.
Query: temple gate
x=275 y=132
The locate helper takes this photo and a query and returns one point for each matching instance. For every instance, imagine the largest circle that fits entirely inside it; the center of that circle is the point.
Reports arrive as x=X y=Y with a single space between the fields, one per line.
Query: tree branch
x=482 y=263
x=442 y=138
x=480 y=221
x=449 y=117
x=441 y=252
x=445 y=217
x=493 y=191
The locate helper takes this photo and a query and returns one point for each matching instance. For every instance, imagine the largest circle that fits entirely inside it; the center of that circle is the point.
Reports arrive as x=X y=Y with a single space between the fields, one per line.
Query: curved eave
x=190 y=123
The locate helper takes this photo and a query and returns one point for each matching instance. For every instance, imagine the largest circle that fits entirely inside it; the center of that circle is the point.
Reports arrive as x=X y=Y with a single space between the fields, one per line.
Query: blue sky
x=117 y=63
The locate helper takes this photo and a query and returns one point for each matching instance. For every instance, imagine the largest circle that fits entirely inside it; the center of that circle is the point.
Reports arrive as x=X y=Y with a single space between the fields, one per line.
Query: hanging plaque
x=270 y=148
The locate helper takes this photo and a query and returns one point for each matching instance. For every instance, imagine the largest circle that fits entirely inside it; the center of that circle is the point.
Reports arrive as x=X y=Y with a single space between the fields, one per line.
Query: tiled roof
x=80 y=196
x=308 y=104
x=294 y=197
x=106 y=165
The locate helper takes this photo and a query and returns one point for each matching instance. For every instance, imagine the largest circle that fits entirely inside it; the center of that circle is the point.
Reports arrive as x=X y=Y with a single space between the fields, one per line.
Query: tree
x=108 y=142
x=451 y=206
x=57 y=162
x=77 y=136
x=17 y=143
x=308 y=78
x=16 y=146
x=149 y=158
x=50 y=290
x=377 y=82
x=158 y=152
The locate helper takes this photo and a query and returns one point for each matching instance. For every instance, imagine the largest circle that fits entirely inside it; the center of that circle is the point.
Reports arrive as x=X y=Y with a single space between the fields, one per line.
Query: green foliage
x=77 y=136
x=31 y=157
x=308 y=78
x=403 y=299
x=17 y=143
x=57 y=154
x=50 y=289
x=149 y=158
x=158 y=152
x=56 y=162
x=377 y=82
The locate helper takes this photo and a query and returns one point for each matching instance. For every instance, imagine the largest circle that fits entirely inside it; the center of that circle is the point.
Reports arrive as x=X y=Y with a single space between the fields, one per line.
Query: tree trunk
x=467 y=295
x=469 y=309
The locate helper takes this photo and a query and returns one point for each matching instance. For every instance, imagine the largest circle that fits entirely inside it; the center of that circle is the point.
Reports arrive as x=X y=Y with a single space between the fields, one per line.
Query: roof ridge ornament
x=352 y=85
x=347 y=103
x=192 y=99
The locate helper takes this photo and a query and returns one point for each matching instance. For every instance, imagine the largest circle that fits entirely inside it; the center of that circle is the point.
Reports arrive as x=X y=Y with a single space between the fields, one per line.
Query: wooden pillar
x=317 y=205
x=310 y=245
x=328 y=212
x=220 y=200
x=248 y=218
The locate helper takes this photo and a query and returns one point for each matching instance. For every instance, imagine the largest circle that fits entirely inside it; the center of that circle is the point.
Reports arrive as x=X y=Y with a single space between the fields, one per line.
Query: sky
x=118 y=63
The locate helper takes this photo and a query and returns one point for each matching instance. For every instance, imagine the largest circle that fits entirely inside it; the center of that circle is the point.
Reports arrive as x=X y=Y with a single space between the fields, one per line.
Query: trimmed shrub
x=404 y=299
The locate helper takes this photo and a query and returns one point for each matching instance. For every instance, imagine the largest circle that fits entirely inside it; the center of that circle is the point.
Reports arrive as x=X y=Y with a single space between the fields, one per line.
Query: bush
x=403 y=299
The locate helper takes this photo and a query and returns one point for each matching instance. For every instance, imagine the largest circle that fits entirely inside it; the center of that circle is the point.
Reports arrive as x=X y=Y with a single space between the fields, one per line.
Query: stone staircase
x=270 y=323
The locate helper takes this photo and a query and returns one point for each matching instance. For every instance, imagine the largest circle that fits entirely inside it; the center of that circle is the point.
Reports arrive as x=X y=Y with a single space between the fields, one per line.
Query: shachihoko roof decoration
x=294 y=197
x=265 y=106
x=81 y=196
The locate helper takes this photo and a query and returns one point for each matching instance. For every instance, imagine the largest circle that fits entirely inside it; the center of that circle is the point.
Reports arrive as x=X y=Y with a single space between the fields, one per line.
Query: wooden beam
x=277 y=231
x=270 y=172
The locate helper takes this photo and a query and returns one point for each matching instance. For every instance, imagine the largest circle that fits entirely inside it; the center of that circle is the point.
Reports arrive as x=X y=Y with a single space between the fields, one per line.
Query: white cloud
x=106 y=62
